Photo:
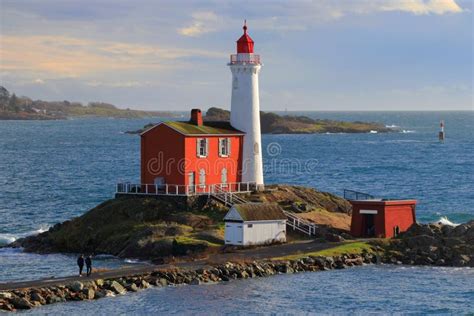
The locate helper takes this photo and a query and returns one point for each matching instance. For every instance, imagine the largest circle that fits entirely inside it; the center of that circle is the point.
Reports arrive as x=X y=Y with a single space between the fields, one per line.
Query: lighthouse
x=441 y=131
x=245 y=107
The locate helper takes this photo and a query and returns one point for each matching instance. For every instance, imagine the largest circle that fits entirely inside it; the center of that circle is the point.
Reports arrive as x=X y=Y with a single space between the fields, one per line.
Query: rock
x=461 y=260
x=195 y=282
x=55 y=299
x=21 y=303
x=6 y=306
x=333 y=237
x=89 y=293
x=133 y=287
x=421 y=241
x=145 y=284
x=35 y=296
x=117 y=288
x=5 y=295
x=329 y=262
x=76 y=286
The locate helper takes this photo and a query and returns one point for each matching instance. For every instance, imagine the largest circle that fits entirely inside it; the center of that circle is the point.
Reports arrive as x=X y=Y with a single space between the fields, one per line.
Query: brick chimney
x=196 y=117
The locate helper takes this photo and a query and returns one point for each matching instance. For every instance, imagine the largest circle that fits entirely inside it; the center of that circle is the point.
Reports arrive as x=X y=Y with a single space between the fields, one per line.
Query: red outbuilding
x=381 y=218
x=191 y=157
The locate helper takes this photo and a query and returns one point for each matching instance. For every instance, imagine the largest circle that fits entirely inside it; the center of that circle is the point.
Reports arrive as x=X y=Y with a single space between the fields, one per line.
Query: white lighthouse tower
x=245 y=107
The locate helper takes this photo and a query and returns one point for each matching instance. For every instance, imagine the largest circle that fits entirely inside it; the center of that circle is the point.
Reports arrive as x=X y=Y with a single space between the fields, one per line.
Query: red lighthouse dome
x=245 y=42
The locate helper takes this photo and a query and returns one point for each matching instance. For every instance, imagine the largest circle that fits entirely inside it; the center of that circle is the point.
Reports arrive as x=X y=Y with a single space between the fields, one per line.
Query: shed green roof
x=260 y=211
x=208 y=128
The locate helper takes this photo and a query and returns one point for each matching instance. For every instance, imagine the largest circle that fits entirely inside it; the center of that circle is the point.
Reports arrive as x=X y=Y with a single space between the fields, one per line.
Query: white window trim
x=227 y=147
x=198 y=147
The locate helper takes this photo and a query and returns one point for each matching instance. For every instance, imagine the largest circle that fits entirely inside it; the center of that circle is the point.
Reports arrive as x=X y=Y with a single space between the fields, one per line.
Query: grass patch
x=188 y=240
x=356 y=247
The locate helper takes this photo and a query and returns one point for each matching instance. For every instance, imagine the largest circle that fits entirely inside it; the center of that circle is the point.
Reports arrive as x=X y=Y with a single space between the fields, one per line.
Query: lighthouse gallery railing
x=245 y=58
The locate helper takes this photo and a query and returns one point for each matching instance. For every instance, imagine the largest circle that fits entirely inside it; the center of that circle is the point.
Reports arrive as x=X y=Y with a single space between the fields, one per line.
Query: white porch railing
x=301 y=224
x=183 y=190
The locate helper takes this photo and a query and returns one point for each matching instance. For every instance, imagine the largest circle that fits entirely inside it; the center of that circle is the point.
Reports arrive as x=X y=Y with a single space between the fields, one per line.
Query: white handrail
x=179 y=189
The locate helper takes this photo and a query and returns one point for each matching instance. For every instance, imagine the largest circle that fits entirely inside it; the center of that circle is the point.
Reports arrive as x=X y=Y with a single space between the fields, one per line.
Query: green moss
x=356 y=247
x=190 y=240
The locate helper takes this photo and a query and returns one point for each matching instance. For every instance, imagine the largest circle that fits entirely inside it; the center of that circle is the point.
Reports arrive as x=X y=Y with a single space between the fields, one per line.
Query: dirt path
x=249 y=254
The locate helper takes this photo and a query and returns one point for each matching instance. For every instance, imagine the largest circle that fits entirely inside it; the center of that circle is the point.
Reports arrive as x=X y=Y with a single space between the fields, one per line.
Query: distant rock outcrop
x=13 y=107
x=272 y=123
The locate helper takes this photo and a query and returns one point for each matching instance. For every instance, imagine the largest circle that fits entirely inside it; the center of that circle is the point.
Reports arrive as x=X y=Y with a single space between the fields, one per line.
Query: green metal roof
x=208 y=128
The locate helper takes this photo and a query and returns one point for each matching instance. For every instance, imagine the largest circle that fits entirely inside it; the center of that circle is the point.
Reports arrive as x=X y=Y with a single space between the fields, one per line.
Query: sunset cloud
x=62 y=56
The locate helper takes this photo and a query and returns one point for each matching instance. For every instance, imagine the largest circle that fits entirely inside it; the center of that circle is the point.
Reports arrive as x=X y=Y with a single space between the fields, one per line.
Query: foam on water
x=443 y=220
x=8 y=238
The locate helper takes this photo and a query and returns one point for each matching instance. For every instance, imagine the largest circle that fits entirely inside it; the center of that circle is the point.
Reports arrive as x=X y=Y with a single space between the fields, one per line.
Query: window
x=202 y=147
x=202 y=178
x=224 y=147
x=224 y=176
x=250 y=225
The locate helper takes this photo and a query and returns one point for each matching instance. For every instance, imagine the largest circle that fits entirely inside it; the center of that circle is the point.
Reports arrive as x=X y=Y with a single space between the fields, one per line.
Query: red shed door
x=368 y=225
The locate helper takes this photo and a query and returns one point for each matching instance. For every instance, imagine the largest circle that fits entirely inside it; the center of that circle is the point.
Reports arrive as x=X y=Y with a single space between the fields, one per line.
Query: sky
x=321 y=55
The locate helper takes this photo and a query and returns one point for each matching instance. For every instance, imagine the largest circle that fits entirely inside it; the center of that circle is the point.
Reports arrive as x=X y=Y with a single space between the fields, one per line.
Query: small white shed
x=255 y=224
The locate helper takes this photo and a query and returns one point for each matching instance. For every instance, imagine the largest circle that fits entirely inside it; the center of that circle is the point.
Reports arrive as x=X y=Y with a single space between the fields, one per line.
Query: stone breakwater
x=95 y=289
x=433 y=244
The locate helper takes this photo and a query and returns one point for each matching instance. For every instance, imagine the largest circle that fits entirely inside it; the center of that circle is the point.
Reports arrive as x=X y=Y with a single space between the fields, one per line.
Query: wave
x=406 y=131
x=392 y=126
x=373 y=132
x=8 y=238
x=443 y=220
x=132 y=261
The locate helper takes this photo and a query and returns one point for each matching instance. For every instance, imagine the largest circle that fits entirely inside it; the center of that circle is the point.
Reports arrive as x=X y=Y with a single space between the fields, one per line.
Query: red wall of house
x=389 y=214
x=213 y=163
x=162 y=150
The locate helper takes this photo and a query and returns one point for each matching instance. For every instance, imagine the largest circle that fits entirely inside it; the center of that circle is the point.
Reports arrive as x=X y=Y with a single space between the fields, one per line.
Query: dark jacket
x=88 y=262
x=80 y=261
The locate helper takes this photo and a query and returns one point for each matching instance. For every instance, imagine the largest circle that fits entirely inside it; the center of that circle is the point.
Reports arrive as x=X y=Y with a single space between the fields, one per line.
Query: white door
x=233 y=233
x=191 y=183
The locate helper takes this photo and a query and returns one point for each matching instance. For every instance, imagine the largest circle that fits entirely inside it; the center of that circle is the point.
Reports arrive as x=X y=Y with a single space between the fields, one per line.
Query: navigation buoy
x=441 y=131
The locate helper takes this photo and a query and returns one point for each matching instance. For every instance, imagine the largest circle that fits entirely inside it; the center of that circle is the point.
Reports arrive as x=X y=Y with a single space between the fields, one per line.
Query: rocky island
x=272 y=123
x=157 y=230
x=186 y=243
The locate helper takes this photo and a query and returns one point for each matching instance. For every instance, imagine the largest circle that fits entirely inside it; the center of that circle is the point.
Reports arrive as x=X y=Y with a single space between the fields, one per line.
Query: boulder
x=117 y=287
x=76 y=286
x=5 y=295
x=133 y=287
x=333 y=237
x=37 y=297
x=21 y=303
x=99 y=282
x=421 y=241
x=89 y=293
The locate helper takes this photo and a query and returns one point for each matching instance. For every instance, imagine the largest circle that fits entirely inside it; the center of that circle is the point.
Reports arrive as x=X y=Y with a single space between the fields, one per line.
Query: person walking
x=89 y=265
x=80 y=263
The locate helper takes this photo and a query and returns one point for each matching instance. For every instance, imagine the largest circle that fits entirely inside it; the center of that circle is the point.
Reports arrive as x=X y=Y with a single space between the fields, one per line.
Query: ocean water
x=52 y=171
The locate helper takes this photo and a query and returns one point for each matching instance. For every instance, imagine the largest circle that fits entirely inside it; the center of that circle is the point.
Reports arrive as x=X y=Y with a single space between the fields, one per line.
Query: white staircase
x=226 y=197
x=300 y=224
x=294 y=221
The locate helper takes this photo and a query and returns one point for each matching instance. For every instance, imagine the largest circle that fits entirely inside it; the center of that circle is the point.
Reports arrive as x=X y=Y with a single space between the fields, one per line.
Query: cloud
x=203 y=22
x=417 y=7
x=63 y=56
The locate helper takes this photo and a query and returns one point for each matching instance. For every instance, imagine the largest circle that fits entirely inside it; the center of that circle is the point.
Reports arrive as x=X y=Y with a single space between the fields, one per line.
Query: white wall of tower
x=245 y=116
